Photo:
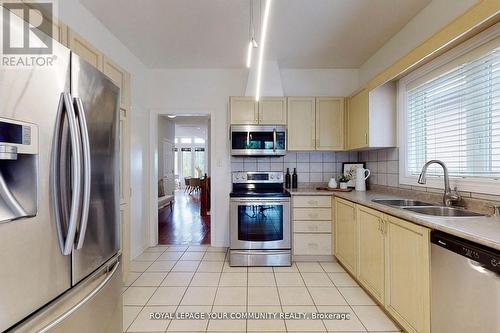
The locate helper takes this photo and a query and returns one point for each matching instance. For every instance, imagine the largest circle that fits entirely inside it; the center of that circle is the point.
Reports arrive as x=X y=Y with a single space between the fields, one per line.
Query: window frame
x=489 y=185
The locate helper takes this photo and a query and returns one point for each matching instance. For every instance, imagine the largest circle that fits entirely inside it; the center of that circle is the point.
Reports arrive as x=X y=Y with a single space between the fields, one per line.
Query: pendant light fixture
x=252 y=43
x=263 y=32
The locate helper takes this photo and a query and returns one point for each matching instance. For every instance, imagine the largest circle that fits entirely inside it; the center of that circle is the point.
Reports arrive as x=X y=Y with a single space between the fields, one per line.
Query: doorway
x=184 y=173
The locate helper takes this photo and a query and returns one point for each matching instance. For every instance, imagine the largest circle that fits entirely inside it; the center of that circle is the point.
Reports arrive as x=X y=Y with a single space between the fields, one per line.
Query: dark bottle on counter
x=294 y=178
x=288 y=180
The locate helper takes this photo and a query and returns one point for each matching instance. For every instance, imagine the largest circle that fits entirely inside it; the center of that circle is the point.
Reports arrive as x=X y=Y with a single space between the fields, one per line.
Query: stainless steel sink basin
x=442 y=211
x=401 y=202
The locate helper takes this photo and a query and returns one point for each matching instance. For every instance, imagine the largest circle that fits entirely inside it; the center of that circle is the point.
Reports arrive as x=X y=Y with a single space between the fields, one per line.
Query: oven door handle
x=261 y=201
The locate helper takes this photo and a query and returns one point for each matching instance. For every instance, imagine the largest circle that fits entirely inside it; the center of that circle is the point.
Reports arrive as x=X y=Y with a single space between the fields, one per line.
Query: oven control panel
x=257 y=177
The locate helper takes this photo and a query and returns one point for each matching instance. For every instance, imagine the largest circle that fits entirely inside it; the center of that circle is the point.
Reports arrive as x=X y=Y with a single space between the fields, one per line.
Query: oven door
x=260 y=223
x=248 y=140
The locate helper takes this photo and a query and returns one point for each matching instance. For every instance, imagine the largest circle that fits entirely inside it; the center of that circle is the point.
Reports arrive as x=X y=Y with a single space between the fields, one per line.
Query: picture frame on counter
x=349 y=169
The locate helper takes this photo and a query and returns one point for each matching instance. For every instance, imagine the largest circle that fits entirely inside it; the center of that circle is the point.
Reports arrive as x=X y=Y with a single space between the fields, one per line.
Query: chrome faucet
x=449 y=196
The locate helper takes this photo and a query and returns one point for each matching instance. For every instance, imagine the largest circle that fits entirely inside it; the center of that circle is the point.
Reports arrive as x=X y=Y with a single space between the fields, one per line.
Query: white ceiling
x=214 y=33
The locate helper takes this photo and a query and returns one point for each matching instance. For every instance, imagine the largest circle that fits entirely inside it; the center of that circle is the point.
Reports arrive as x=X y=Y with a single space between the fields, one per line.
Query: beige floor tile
x=131 y=277
x=272 y=325
x=260 y=269
x=332 y=267
x=176 y=248
x=192 y=256
x=174 y=279
x=171 y=255
x=233 y=280
x=227 y=325
x=326 y=296
x=201 y=279
x=144 y=323
x=261 y=279
x=197 y=248
x=199 y=296
x=139 y=266
x=149 y=280
x=374 y=319
x=351 y=324
x=211 y=266
x=263 y=296
x=311 y=267
x=186 y=266
x=159 y=249
x=294 y=296
x=214 y=256
x=148 y=256
x=161 y=266
x=286 y=269
x=356 y=296
x=317 y=280
x=137 y=295
x=289 y=279
x=216 y=249
x=231 y=296
x=342 y=280
x=129 y=314
x=303 y=325
x=230 y=269
x=167 y=296
x=178 y=325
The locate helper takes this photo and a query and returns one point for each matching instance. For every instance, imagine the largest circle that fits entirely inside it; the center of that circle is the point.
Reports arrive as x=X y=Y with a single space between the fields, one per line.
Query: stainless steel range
x=259 y=220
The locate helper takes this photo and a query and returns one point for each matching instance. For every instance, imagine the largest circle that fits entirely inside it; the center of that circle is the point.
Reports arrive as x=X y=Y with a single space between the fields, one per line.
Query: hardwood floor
x=183 y=225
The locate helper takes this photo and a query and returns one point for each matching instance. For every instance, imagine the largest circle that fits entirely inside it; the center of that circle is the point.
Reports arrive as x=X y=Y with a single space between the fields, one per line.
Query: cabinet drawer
x=312 y=244
x=312 y=226
x=311 y=201
x=307 y=214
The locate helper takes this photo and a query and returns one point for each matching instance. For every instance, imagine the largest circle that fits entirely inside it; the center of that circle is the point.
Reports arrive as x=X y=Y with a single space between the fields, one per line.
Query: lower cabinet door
x=407 y=295
x=371 y=251
x=345 y=233
x=312 y=244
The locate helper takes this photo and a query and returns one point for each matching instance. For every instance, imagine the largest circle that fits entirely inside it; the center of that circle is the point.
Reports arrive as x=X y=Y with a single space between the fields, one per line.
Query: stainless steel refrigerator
x=59 y=204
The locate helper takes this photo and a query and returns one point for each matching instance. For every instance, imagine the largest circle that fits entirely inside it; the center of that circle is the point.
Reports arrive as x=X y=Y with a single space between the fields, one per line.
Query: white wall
x=78 y=18
x=319 y=82
x=435 y=16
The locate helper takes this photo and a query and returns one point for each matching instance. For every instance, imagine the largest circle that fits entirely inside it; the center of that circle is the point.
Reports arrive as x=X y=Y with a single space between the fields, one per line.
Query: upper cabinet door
x=85 y=50
x=329 y=123
x=301 y=123
x=243 y=110
x=357 y=120
x=121 y=78
x=272 y=111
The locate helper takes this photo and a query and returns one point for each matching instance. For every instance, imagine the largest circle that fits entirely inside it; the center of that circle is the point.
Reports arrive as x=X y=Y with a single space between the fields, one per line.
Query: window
x=199 y=140
x=187 y=162
x=199 y=162
x=450 y=111
x=186 y=140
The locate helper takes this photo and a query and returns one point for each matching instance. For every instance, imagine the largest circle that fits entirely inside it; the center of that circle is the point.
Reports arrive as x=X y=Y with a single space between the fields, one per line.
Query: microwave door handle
x=86 y=171
x=274 y=139
x=66 y=243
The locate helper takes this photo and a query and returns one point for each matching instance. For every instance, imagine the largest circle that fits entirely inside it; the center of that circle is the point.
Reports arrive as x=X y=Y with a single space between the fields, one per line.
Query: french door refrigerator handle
x=86 y=171
x=65 y=104
x=274 y=139
x=81 y=303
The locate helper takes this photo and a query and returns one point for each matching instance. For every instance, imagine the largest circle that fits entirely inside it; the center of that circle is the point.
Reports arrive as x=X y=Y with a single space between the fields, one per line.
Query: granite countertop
x=483 y=230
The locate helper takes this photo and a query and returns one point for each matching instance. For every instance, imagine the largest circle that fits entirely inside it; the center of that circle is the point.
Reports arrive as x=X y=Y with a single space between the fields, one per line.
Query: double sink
x=425 y=208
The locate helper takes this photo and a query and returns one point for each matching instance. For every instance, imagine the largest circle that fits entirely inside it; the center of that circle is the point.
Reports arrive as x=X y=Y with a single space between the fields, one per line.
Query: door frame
x=153 y=167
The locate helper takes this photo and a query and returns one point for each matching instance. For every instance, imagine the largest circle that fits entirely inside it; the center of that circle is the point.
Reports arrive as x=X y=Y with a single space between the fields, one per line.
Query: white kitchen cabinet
x=245 y=110
x=371 y=118
x=301 y=123
x=330 y=123
x=121 y=78
x=272 y=111
x=407 y=274
x=84 y=49
x=371 y=241
x=345 y=234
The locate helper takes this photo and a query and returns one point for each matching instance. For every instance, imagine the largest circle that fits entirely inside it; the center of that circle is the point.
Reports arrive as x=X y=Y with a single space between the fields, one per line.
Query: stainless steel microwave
x=258 y=140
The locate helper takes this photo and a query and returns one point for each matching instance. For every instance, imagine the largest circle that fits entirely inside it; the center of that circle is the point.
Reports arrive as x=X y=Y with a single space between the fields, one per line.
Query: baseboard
x=314 y=258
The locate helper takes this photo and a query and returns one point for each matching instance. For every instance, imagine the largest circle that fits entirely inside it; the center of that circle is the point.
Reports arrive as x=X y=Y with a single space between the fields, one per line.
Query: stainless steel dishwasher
x=465 y=294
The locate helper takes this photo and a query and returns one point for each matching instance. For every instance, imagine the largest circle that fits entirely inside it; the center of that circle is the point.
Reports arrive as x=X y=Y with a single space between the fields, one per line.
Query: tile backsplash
x=312 y=167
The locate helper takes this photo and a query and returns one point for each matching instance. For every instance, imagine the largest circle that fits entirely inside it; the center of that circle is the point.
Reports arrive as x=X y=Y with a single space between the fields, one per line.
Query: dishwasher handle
x=488 y=258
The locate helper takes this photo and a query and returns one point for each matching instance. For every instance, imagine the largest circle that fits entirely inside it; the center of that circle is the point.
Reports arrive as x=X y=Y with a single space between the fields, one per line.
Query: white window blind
x=453 y=114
